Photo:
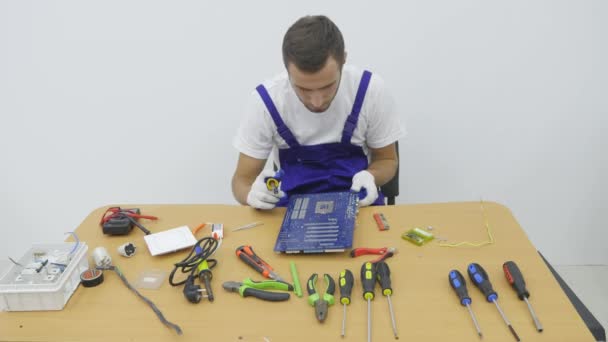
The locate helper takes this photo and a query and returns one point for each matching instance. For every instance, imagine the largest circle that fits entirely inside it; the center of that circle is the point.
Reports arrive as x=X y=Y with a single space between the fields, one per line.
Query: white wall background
x=137 y=102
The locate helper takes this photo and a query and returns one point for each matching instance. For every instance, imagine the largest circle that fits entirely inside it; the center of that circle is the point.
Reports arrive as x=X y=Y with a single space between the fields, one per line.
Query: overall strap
x=351 y=120
x=282 y=129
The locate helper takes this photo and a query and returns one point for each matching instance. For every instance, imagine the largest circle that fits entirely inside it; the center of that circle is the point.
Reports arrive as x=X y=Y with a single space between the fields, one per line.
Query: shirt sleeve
x=255 y=133
x=384 y=124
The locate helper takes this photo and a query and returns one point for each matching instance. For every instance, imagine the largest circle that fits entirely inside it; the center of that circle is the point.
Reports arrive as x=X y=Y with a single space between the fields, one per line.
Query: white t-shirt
x=378 y=125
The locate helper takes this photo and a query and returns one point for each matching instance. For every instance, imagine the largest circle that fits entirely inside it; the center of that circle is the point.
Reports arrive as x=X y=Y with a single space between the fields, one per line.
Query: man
x=334 y=126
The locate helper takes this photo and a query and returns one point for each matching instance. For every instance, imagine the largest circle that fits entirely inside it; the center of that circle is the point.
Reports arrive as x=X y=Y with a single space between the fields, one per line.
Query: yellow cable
x=479 y=244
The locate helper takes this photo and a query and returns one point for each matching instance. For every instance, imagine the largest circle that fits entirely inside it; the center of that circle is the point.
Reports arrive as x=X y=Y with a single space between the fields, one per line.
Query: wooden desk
x=426 y=308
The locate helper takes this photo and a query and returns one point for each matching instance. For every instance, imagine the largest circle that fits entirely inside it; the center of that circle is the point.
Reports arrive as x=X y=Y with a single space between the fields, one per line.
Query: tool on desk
x=516 y=279
x=383 y=273
x=385 y=252
x=460 y=287
x=248 y=256
x=197 y=264
x=296 y=279
x=381 y=221
x=273 y=183
x=205 y=276
x=479 y=277
x=118 y=221
x=368 y=282
x=247 y=226
x=345 y=282
x=257 y=289
x=321 y=304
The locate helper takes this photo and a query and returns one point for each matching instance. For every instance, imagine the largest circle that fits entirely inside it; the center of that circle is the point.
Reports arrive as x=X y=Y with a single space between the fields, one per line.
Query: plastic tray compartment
x=22 y=288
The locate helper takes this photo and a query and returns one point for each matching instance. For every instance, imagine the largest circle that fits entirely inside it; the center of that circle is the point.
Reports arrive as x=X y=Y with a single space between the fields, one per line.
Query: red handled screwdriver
x=516 y=279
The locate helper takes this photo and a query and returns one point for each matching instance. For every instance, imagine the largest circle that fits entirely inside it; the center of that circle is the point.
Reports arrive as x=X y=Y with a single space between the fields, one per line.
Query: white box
x=48 y=289
x=169 y=241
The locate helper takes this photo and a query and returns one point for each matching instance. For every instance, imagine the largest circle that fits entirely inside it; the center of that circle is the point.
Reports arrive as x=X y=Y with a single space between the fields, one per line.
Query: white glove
x=364 y=179
x=259 y=196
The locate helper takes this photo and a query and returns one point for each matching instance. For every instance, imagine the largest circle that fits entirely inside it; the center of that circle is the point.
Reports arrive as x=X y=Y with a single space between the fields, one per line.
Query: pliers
x=252 y=288
x=321 y=304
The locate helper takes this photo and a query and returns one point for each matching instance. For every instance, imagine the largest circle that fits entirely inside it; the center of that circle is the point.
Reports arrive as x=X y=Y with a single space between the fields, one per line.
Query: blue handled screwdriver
x=479 y=277
x=460 y=287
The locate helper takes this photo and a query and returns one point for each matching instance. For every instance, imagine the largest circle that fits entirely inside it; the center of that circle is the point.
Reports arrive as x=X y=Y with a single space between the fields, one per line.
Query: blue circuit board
x=318 y=223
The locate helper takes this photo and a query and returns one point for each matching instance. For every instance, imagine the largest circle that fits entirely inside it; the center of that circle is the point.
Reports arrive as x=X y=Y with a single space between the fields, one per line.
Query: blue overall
x=324 y=167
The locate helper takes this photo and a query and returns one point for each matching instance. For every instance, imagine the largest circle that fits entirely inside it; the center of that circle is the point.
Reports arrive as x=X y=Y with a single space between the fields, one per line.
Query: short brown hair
x=310 y=41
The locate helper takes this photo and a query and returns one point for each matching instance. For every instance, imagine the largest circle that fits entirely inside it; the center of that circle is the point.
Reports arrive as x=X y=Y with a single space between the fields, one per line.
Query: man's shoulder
x=278 y=82
x=353 y=74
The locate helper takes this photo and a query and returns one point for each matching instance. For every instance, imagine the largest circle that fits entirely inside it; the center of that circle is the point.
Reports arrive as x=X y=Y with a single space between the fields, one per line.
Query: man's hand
x=259 y=196
x=364 y=179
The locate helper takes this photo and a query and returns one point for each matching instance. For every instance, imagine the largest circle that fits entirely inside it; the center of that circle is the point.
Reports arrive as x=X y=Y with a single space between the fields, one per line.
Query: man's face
x=316 y=90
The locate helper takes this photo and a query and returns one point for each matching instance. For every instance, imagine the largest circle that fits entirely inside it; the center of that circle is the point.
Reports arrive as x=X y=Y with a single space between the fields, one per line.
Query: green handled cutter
x=251 y=288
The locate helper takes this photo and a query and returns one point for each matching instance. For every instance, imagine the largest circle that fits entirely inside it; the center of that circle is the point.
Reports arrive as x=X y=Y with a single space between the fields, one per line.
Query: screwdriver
x=479 y=277
x=516 y=279
x=346 y=286
x=384 y=278
x=368 y=281
x=248 y=256
x=459 y=285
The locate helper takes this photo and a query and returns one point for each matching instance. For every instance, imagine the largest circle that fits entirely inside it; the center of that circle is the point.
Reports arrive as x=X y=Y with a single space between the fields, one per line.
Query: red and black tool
x=119 y=221
x=385 y=252
x=247 y=255
x=516 y=280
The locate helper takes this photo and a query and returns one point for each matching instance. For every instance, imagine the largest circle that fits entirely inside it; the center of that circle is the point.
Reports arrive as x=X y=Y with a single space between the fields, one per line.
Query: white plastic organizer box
x=44 y=278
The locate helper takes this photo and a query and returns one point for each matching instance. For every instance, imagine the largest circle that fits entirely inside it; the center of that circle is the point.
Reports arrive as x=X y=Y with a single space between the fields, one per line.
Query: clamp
x=321 y=305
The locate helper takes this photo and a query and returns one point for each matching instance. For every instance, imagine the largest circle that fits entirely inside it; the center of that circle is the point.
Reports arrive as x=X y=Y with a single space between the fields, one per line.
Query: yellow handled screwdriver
x=346 y=286
x=368 y=281
x=384 y=278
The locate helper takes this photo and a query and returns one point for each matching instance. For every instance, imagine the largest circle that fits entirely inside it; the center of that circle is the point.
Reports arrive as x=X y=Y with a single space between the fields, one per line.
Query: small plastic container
x=50 y=288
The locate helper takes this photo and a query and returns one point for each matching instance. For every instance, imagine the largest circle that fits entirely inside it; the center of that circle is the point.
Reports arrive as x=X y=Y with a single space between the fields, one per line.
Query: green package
x=417 y=236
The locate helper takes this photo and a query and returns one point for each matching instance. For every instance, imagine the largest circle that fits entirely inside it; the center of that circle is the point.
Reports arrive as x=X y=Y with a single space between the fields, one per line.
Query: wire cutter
x=385 y=252
x=251 y=288
x=248 y=256
x=273 y=183
x=321 y=304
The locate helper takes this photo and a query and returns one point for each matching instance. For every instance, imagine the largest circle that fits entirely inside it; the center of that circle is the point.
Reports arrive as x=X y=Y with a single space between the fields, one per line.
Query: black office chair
x=391 y=189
